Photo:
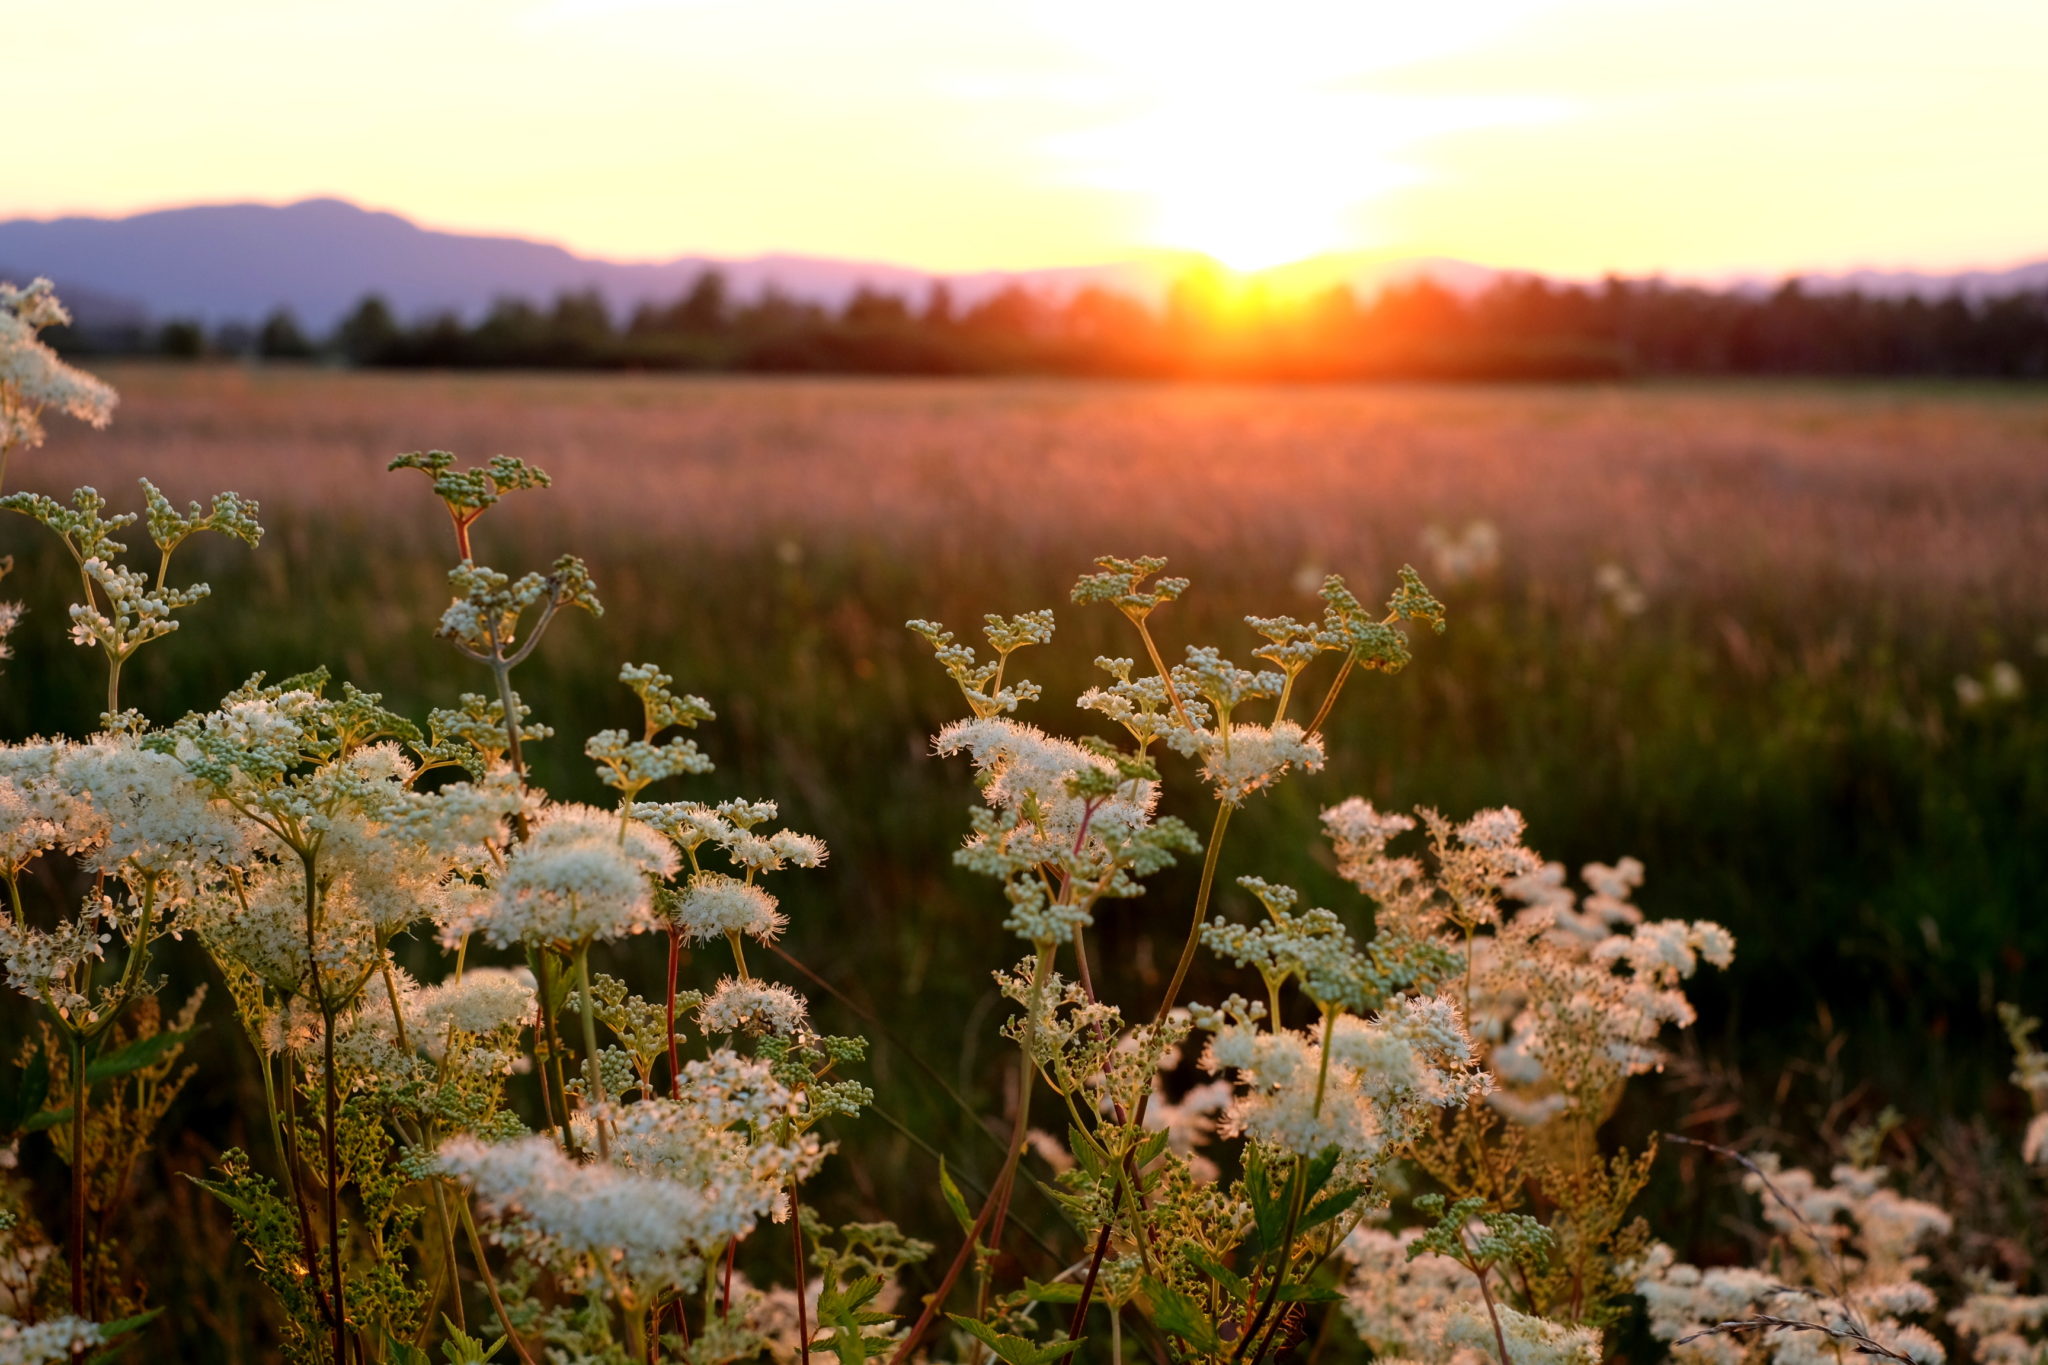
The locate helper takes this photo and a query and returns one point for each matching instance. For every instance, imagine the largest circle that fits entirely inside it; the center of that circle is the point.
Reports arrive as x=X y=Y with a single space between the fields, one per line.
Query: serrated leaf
x=1015 y=1350
x=1219 y=1272
x=404 y=1352
x=1175 y=1312
x=1149 y=1150
x=1087 y=1152
x=134 y=1056
x=1331 y=1206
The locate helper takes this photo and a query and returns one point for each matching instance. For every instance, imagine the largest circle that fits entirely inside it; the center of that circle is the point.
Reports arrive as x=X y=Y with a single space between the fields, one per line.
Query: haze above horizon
x=1565 y=136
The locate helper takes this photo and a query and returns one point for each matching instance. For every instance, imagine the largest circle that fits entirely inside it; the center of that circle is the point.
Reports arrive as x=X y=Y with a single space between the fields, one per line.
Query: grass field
x=1777 y=732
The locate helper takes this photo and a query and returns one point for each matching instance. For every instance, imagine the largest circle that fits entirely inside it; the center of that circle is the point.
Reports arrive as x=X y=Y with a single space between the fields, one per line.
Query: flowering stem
x=1187 y=952
x=593 y=1072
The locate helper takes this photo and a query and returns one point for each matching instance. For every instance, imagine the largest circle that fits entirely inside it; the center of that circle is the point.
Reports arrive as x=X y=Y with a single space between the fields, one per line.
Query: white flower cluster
x=1567 y=997
x=583 y=1220
x=1860 y=1276
x=1027 y=772
x=32 y=378
x=687 y=1176
x=1426 y=1309
x=582 y=874
x=1382 y=1077
x=50 y=1341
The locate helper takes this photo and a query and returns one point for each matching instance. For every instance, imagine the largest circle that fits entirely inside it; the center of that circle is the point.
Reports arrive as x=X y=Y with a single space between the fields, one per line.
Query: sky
x=1691 y=137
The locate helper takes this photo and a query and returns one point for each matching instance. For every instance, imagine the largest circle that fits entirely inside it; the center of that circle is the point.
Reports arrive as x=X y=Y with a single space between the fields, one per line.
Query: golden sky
x=1572 y=136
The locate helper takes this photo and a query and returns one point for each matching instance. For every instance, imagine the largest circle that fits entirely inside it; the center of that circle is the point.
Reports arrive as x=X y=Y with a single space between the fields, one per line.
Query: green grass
x=1777 y=736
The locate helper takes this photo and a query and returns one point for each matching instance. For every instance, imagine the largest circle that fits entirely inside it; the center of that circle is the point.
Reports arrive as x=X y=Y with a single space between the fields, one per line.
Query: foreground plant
x=1392 y=1128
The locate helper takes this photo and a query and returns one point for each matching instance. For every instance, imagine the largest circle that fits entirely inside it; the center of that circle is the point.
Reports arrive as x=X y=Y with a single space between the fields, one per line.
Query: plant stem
x=78 y=1093
x=1315 y=726
x=483 y=1267
x=593 y=1072
x=1187 y=951
x=675 y=1066
x=796 y=1243
x=328 y=1136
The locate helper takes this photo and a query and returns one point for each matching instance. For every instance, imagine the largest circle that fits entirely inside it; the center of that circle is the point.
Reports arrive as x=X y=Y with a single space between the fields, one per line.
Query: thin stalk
x=1315 y=727
x=1187 y=951
x=298 y=1189
x=483 y=1266
x=675 y=1065
x=78 y=1091
x=328 y=1134
x=1165 y=675
x=592 y=1070
x=1499 y=1337
x=796 y=1244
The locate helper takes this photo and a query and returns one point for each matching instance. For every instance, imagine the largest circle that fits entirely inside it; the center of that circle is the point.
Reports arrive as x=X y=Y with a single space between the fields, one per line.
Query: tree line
x=1518 y=327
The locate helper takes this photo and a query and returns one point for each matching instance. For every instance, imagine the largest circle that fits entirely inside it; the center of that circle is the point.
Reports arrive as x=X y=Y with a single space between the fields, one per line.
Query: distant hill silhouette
x=319 y=257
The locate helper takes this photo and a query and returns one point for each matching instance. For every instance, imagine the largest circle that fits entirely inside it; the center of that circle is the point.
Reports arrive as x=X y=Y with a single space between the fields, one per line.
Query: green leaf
x=119 y=1327
x=241 y=1208
x=1149 y=1150
x=142 y=1052
x=1015 y=1350
x=954 y=1200
x=1306 y=1293
x=1217 y=1271
x=1175 y=1312
x=463 y=1349
x=49 y=1118
x=1330 y=1206
x=1087 y=1151
x=404 y=1352
x=1059 y=1292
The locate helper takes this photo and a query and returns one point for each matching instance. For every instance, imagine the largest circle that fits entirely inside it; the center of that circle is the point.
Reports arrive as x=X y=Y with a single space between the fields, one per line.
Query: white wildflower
x=581 y=874
x=714 y=905
x=753 y=1007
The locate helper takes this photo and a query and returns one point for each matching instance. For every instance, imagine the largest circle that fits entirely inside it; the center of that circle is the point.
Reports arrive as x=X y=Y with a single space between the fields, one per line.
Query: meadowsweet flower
x=1395 y=1300
x=482 y=1000
x=44 y=964
x=581 y=874
x=753 y=1007
x=52 y=1340
x=32 y=378
x=1256 y=756
x=1468 y=1326
x=581 y=1218
x=1381 y=1078
x=1997 y=1321
x=1026 y=771
x=713 y=905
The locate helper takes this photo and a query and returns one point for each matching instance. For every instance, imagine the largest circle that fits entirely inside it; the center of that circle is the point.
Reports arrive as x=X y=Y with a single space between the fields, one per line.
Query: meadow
x=1751 y=635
